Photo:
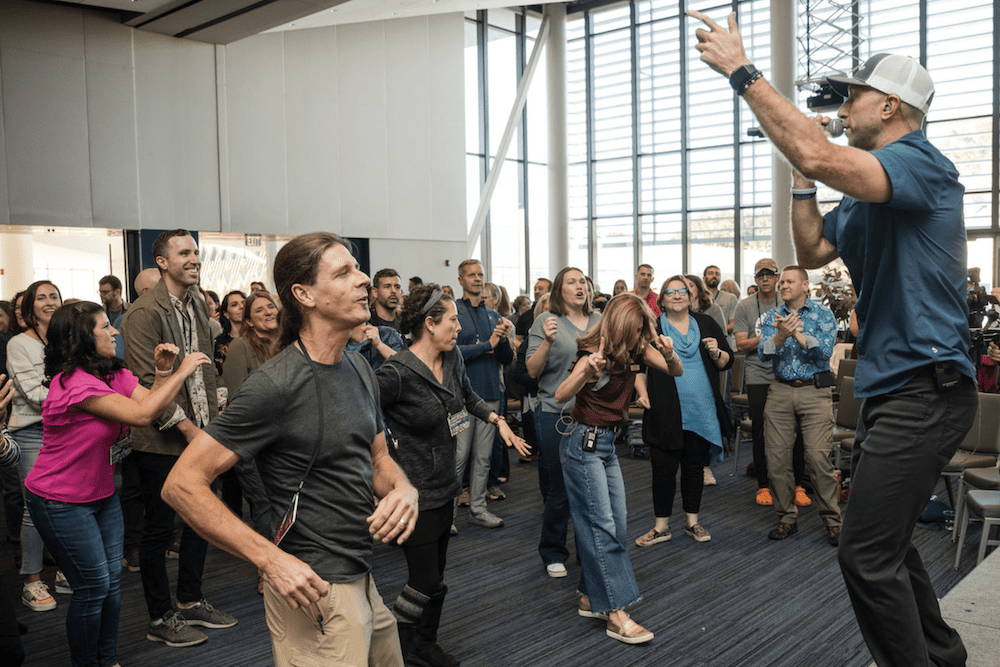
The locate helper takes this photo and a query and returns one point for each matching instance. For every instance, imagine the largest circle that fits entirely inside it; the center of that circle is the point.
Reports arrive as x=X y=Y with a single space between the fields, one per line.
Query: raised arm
x=144 y=405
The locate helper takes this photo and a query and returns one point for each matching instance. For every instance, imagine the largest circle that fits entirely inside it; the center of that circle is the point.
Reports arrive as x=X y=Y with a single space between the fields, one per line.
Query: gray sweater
x=416 y=408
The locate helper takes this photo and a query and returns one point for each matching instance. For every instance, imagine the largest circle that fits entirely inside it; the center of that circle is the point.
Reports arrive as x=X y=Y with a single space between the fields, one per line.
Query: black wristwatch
x=742 y=77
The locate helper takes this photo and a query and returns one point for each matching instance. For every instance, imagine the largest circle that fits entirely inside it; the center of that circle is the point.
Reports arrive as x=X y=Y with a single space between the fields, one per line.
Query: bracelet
x=166 y=373
x=742 y=77
x=499 y=419
x=807 y=193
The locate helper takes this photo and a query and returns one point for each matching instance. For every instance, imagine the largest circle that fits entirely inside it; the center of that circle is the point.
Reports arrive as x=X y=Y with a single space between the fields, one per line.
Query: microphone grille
x=835 y=127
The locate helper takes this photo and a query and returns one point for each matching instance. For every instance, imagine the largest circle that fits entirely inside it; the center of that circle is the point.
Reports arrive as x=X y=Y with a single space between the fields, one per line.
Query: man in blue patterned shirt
x=797 y=338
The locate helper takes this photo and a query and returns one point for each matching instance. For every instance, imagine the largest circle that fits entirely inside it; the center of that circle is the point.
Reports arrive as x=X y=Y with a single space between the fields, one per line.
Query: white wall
x=355 y=129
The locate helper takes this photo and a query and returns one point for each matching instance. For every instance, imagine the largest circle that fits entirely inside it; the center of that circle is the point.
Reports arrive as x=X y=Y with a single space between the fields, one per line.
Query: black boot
x=408 y=610
x=425 y=651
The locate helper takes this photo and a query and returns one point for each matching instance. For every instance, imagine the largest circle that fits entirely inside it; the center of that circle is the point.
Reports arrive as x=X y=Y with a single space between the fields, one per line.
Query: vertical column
x=783 y=79
x=17 y=259
x=555 y=64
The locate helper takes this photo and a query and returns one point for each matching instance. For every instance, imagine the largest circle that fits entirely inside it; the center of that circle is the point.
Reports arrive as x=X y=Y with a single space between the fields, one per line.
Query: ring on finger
x=402 y=522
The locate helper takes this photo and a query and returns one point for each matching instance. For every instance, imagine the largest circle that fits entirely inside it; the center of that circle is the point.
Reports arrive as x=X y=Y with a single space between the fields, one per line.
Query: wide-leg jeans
x=596 y=493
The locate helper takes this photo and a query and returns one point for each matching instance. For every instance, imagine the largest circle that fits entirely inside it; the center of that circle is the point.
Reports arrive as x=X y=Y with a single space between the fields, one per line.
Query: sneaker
x=653 y=537
x=709 y=477
x=530 y=458
x=204 y=614
x=486 y=520
x=36 y=596
x=495 y=493
x=454 y=530
x=833 y=535
x=697 y=533
x=584 y=609
x=764 y=498
x=463 y=498
x=630 y=632
x=174 y=631
x=782 y=530
x=131 y=561
x=556 y=570
x=62 y=586
x=801 y=499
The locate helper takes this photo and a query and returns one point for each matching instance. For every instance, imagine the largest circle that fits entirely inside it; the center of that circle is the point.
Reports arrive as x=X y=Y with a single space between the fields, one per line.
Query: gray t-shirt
x=561 y=357
x=749 y=315
x=274 y=418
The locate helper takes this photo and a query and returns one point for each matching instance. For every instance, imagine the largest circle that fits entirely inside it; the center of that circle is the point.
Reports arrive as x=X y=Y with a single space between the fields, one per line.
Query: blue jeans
x=555 y=516
x=29 y=439
x=596 y=495
x=86 y=539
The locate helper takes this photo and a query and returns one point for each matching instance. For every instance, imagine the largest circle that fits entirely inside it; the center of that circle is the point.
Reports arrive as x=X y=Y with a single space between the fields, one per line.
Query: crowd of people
x=345 y=413
x=186 y=395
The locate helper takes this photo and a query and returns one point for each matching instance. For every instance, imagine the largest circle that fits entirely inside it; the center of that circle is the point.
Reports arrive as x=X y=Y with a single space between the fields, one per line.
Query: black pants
x=691 y=460
x=132 y=504
x=427 y=550
x=157 y=533
x=904 y=440
x=757 y=398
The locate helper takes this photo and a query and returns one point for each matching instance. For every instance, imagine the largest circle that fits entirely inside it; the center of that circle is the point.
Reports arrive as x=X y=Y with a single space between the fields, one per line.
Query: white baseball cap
x=893 y=75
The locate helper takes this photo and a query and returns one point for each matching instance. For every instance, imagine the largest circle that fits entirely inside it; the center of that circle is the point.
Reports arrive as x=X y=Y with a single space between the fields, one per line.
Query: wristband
x=808 y=193
x=499 y=419
x=742 y=77
x=166 y=373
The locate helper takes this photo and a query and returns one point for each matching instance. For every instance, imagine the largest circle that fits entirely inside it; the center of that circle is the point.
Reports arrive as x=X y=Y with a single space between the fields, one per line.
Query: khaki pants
x=358 y=629
x=812 y=409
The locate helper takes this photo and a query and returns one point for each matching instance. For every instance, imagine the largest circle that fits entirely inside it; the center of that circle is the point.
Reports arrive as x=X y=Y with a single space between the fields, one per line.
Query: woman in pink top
x=70 y=492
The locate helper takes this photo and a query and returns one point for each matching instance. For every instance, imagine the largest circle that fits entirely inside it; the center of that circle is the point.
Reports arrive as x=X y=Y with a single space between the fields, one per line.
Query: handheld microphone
x=834 y=128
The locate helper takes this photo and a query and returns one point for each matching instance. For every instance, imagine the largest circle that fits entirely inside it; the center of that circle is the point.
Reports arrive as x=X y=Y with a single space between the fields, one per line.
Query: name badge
x=121 y=449
x=288 y=520
x=458 y=422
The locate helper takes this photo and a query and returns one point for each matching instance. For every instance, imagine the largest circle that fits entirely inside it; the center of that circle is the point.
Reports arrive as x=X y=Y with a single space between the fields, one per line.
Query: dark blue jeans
x=156 y=536
x=86 y=541
x=904 y=439
x=555 y=516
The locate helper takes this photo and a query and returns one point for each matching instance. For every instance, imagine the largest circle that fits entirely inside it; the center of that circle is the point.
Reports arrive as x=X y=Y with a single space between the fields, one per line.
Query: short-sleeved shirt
x=74 y=464
x=749 y=318
x=604 y=400
x=562 y=356
x=907 y=260
x=274 y=418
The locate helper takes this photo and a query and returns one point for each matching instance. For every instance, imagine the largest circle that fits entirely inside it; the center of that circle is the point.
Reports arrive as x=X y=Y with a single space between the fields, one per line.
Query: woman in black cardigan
x=427 y=400
x=683 y=423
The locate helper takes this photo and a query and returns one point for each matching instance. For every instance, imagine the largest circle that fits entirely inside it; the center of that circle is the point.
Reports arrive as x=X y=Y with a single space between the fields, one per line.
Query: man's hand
x=722 y=50
x=294 y=580
x=993 y=352
x=395 y=516
x=788 y=327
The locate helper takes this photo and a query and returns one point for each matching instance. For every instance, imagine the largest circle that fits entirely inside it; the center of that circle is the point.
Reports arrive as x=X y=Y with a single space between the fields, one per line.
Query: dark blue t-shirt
x=907 y=260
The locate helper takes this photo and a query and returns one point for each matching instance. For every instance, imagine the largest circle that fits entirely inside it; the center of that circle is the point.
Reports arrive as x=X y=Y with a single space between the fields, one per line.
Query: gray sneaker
x=486 y=520
x=204 y=614
x=174 y=631
x=495 y=493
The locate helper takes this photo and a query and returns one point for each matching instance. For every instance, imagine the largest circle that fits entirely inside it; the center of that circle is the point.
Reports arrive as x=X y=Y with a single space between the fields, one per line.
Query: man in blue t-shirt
x=899 y=229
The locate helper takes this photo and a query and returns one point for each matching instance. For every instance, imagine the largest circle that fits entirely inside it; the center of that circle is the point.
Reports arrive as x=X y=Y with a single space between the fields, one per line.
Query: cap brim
x=841 y=84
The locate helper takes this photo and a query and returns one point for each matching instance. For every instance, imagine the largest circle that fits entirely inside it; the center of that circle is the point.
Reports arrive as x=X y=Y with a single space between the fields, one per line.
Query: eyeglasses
x=683 y=291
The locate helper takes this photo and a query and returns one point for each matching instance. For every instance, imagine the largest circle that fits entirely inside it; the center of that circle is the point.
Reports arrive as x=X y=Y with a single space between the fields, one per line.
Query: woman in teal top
x=683 y=424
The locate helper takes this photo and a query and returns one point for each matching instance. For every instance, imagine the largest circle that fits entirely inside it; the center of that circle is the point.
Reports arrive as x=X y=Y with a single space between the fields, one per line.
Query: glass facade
x=662 y=169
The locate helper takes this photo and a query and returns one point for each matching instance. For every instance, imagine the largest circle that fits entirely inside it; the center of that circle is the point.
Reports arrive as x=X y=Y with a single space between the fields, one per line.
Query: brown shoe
x=782 y=530
x=833 y=535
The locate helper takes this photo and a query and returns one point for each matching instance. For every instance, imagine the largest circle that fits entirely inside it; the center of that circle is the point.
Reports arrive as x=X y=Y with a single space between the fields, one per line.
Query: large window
x=662 y=169
x=514 y=242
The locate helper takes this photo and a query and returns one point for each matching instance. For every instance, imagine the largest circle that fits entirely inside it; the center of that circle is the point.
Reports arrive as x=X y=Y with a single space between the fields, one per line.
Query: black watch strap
x=742 y=77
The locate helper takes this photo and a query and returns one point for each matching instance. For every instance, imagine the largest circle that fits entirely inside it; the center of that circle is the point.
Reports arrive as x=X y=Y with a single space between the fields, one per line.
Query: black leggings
x=691 y=460
x=426 y=549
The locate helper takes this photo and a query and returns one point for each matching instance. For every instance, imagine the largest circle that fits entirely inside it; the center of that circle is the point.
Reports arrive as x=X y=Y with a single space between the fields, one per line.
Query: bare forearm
x=201 y=509
x=536 y=362
x=387 y=476
x=747 y=345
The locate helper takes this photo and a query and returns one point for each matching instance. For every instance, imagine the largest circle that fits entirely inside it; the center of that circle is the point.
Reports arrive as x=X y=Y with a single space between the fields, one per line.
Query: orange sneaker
x=801 y=499
x=764 y=497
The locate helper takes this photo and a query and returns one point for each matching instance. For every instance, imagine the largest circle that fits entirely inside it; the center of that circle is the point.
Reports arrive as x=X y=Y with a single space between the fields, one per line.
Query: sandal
x=584 y=609
x=652 y=537
x=630 y=632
